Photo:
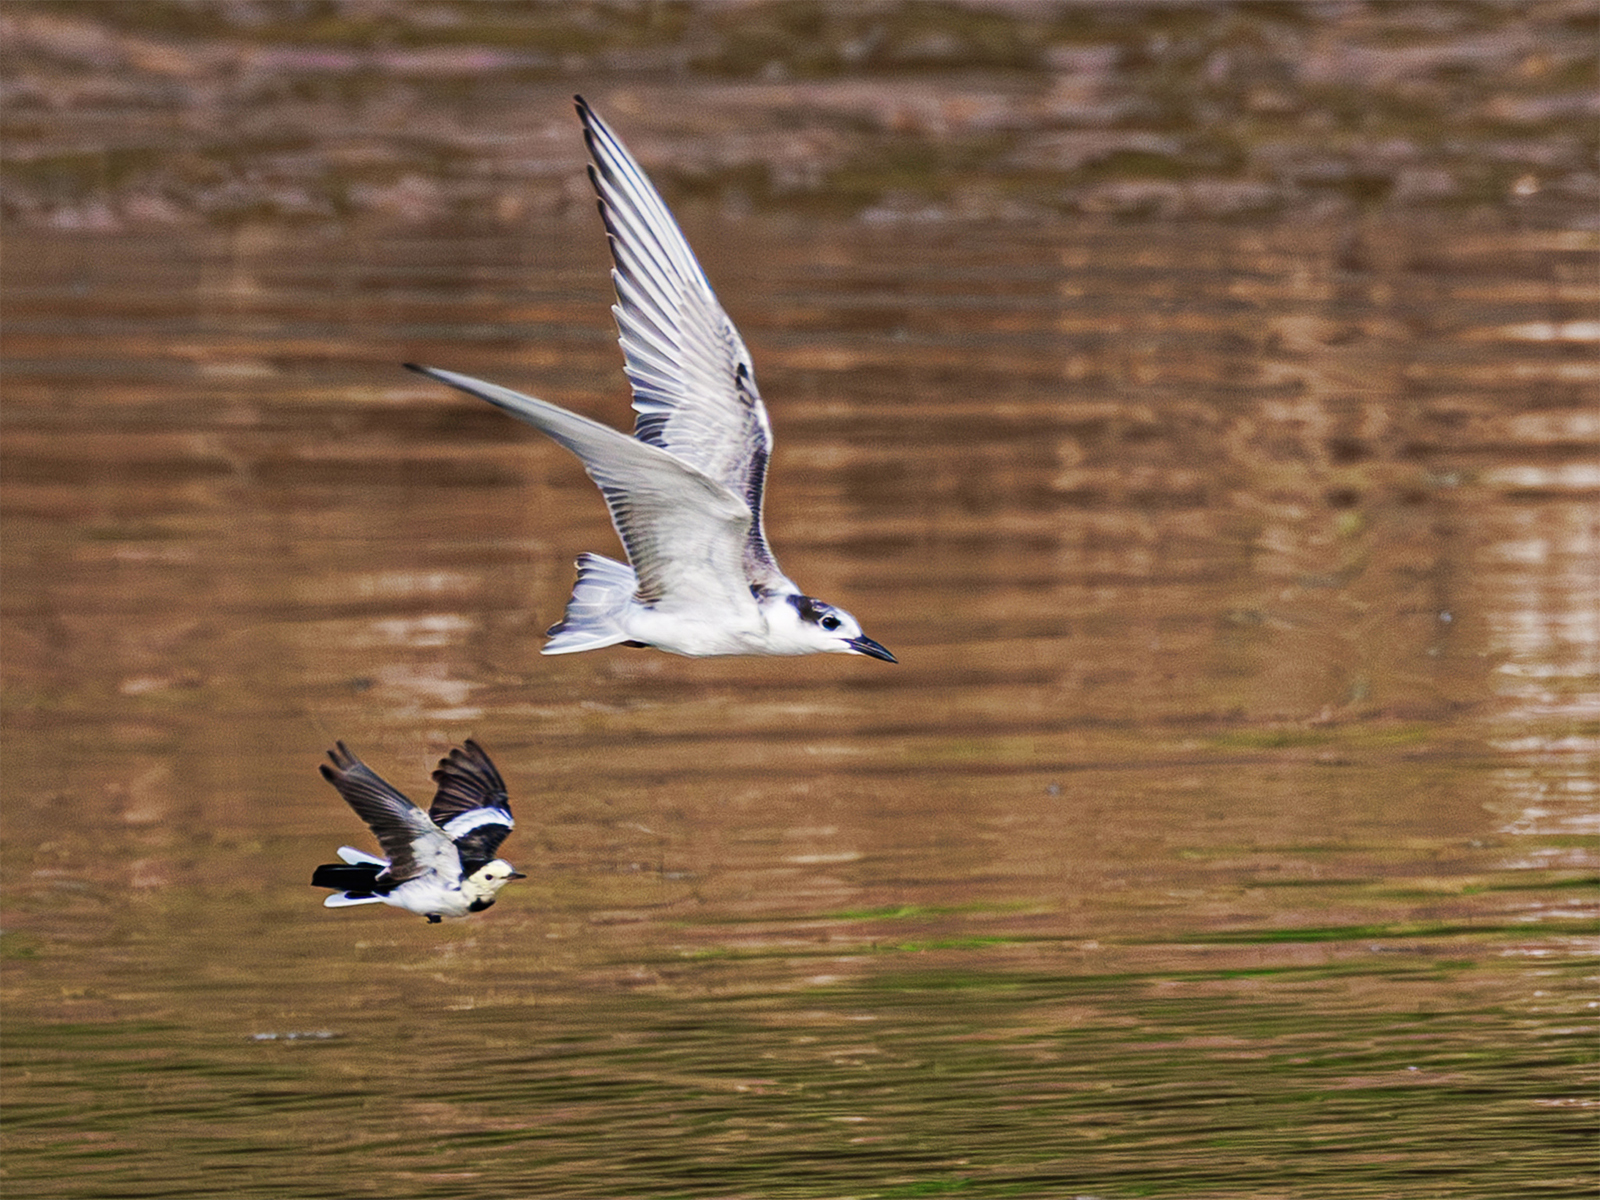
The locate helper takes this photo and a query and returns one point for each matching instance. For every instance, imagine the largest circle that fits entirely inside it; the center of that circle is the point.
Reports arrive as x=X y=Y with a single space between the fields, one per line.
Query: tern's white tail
x=603 y=592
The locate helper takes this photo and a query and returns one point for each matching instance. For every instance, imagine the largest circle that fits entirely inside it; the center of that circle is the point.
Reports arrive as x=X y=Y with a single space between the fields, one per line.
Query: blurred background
x=1201 y=400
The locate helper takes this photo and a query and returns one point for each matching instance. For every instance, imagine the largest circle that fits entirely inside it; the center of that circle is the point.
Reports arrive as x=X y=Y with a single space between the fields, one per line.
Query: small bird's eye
x=829 y=623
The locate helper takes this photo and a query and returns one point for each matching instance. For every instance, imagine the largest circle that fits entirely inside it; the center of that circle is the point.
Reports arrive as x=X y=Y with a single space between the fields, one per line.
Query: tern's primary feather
x=694 y=384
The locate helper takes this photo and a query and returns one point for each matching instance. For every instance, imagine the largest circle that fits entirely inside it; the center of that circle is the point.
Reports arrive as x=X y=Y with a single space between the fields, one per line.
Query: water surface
x=1227 y=828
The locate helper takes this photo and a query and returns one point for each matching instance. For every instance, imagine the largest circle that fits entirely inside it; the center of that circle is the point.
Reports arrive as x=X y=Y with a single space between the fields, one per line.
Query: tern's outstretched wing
x=414 y=844
x=471 y=805
x=684 y=531
x=694 y=385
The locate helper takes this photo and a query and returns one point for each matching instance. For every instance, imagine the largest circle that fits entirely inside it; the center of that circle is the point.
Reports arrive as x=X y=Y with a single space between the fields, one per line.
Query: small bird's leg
x=434 y=918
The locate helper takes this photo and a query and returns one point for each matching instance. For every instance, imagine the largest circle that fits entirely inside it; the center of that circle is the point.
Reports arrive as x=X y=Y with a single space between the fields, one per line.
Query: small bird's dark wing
x=471 y=805
x=467 y=780
x=414 y=844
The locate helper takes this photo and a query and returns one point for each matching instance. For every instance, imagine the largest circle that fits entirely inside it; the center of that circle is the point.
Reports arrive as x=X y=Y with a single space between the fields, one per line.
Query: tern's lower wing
x=684 y=532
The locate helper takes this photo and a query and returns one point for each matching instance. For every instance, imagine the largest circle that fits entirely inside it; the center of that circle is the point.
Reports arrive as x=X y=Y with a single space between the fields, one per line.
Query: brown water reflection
x=1239 y=762
x=1227 y=828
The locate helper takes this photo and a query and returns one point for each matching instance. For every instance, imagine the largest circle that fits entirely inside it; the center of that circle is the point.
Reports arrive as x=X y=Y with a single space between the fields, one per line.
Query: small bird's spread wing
x=694 y=385
x=471 y=805
x=684 y=531
x=414 y=844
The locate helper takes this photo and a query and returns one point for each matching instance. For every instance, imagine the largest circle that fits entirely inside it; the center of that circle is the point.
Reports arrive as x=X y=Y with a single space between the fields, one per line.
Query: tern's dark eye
x=829 y=622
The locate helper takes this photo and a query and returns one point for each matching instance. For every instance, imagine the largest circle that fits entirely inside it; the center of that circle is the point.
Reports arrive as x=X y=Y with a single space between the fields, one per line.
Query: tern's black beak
x=865 y=645
x=516 y=875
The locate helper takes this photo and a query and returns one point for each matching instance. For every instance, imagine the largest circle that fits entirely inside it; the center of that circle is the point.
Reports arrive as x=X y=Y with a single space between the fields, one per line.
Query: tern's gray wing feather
x=684 y=531
x=694 y=385
x=414 y=844
x=471 y=805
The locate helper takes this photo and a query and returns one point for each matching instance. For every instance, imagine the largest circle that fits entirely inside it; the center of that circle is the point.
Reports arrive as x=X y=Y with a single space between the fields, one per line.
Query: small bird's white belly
x=427 y=898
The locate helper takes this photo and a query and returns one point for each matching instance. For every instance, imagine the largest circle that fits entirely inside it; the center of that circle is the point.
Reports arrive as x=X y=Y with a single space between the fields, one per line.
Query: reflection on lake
x=1227 y=828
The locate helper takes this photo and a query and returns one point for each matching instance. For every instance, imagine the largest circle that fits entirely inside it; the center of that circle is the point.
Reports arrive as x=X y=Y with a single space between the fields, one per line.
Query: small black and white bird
x=441 y=862
x=685 y=490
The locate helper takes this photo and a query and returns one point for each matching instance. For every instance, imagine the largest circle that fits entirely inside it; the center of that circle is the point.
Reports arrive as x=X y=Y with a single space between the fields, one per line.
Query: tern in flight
x=685 y=490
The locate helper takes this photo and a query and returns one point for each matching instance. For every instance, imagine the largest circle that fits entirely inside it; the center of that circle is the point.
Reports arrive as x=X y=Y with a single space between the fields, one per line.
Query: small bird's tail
x=599 y=598
x=360 y=878
x=353 y=880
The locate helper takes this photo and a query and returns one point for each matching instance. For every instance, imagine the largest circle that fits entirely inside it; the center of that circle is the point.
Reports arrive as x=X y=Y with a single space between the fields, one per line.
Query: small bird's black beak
x=516 y=875
x=865 y=645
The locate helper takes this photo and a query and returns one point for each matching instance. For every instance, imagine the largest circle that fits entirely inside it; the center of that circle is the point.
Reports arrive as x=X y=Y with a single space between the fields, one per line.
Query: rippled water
x=1227 y=828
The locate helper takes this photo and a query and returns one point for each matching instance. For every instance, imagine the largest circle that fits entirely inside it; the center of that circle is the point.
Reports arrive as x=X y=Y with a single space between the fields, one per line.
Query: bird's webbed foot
x=434 y=918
